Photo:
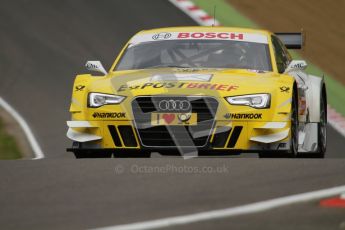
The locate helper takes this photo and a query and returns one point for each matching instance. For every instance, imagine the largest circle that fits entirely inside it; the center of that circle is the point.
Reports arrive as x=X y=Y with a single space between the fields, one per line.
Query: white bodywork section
x=79 y=124
x=308 y=138
x=310 y=87
x=79 y=136
x=314 y=97
x=271 y=137
x=273 y=125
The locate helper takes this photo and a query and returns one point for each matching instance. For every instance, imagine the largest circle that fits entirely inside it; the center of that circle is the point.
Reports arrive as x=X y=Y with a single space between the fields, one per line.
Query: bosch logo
x=161 y=36
x=174 y=105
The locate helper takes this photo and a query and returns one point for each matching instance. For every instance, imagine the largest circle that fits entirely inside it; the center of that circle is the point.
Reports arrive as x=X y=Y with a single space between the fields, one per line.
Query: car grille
x=126 y=133
x=222 y=134
x=174 y=135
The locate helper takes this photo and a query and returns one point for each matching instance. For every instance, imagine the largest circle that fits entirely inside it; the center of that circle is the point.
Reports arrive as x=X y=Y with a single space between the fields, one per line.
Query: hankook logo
x=174 y=105
x=243 y=116
x=161 y=36
x=109 y=115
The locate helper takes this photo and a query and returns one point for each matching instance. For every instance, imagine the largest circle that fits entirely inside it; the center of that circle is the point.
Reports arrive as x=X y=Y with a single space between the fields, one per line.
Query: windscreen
x=196 y=54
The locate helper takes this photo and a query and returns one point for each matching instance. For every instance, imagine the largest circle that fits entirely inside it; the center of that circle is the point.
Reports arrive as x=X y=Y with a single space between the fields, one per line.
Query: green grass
x=8 y=145
x=228 y=16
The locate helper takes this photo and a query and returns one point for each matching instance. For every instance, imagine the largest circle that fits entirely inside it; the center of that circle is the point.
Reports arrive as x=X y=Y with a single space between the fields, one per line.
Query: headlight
x=100 y=99
x=259 y=101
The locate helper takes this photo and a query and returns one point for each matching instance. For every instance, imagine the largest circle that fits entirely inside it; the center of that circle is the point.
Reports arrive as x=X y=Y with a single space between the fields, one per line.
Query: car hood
x=173 y=81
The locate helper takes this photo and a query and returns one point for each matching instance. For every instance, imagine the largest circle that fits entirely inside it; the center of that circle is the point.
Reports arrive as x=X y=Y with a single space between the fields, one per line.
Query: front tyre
x=294 y=125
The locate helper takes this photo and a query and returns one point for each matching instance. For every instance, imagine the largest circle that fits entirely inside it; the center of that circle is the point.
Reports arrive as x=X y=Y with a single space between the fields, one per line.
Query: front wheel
x=294 y=125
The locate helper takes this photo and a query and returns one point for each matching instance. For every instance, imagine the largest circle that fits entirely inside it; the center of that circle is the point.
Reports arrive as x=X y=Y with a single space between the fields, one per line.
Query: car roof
x=205 y=29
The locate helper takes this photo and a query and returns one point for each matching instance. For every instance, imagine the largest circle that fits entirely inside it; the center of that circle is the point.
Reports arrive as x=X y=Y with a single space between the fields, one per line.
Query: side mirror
x=296 y=65
x=95 y=66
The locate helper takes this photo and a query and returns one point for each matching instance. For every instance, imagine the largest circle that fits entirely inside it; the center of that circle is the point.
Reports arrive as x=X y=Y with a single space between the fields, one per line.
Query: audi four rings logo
x=161 y=36
x=174 y=105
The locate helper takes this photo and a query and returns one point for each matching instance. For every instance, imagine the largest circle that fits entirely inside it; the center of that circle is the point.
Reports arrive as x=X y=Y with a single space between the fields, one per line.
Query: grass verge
x=228 y=16
x=8 y=145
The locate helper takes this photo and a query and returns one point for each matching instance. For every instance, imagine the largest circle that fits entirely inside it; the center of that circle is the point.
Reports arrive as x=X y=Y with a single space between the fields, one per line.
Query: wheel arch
x=315 y=92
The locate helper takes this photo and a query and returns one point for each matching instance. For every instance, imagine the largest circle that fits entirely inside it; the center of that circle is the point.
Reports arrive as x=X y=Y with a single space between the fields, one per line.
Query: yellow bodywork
x=224 y=82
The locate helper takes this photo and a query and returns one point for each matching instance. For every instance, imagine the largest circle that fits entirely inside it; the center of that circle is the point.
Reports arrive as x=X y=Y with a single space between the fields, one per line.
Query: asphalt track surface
x=43 y=46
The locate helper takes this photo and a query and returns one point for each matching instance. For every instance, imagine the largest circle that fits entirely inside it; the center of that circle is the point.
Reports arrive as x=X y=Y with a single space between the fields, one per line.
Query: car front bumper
x=224 y=136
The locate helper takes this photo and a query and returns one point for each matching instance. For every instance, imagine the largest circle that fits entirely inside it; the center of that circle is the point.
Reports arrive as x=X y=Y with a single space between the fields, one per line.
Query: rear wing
x=292 y=40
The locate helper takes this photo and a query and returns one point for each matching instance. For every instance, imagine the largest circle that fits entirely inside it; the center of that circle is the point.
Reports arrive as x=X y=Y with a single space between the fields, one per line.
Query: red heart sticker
x=168 y=117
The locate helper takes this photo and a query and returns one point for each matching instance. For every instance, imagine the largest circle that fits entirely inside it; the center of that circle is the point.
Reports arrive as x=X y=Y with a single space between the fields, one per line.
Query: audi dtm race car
x=200 y=91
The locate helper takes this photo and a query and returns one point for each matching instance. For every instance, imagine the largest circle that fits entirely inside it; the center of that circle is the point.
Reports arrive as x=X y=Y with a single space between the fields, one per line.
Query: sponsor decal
x=161 y=36
x=220 y=87
x=174 y=119
x=284 y=89
x=184 y=117
x=302 y=106
x=243 y=116
x=168 y=117
x=109 y=115
x=299 y=66
x=235 y=36
x=91 y=65
x=79 y=87
x=229 y=36
x=183 y=85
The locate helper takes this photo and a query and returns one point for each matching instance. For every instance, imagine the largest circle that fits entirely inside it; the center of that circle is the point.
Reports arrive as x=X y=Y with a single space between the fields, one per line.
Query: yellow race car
x=200 y=91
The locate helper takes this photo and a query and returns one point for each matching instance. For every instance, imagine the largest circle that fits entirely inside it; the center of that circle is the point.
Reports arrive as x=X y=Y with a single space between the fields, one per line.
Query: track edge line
x=230 y=212
x=37 y=151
